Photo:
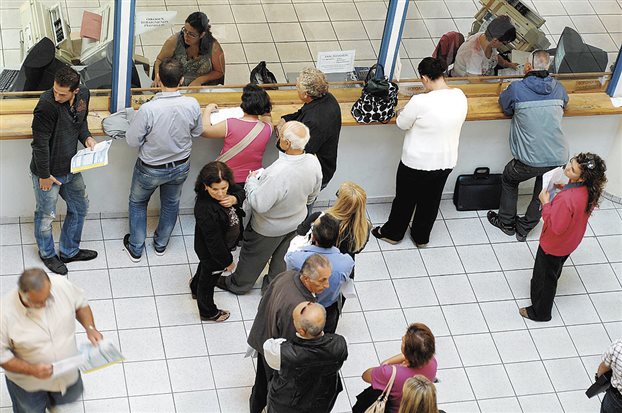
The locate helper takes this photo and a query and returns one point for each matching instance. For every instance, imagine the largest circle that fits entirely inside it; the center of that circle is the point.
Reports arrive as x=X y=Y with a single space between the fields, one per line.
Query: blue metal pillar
x=392 y=35
x=614 y=88
x=124 y=11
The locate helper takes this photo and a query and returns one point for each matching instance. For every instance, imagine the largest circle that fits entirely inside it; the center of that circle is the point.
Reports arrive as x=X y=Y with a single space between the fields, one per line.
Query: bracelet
x=90 y=327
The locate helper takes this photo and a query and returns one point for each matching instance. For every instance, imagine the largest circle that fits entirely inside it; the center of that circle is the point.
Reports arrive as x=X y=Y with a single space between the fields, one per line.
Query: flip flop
x=221 y=316
x=523 y=312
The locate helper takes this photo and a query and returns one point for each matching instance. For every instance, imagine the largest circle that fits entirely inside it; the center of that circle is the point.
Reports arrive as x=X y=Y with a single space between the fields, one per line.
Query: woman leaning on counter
x=200 y=54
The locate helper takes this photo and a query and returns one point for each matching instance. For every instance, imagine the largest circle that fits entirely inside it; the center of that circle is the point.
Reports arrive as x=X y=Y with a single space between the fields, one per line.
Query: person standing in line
x=218 y=215
x=37 y=329
x=418 y=396
x=278 y=198
x=306 y=378
x=257 y=107
x=60 y=121
x=565 y=221
x=536 y=104
x=274 y=316
x=162 y=129
x=432 y=122
x=612 y=361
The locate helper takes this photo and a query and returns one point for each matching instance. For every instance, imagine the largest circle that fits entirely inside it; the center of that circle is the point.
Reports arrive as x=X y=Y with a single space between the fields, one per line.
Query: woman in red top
x=565 y=220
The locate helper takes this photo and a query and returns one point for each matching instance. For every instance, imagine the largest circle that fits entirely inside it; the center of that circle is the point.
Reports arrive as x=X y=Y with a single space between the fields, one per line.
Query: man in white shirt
x=37 y=329
x=612 y=361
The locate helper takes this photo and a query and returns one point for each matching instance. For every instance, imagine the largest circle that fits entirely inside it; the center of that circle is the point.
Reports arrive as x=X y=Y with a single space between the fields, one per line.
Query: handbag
x=378 y=99
x=261 y=75
x=371 y=400
x=479 y=191
x=602 y=384
x=243 y=144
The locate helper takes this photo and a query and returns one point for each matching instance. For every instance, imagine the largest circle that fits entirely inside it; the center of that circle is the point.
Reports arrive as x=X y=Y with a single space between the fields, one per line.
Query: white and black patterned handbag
x=378 y=99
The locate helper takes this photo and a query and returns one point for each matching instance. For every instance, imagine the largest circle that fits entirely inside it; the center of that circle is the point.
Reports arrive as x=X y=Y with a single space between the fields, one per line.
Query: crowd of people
x=310 y=254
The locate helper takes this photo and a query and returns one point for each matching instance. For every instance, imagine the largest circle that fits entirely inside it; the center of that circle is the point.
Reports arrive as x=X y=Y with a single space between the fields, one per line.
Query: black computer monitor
x=572 y=55
x=39 y=68
x=98 y=73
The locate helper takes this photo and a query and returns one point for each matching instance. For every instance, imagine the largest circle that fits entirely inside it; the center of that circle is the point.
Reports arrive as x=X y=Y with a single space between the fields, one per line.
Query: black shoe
x=82 y=255
x=159 y=251
x=126 y=244
x=55 y=265
x=494 y=219
x=376 y=233
x=220 y=283
x=520 y=237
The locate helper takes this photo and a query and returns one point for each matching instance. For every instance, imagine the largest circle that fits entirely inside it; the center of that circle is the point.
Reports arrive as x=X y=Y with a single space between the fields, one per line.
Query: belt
x=165 y=165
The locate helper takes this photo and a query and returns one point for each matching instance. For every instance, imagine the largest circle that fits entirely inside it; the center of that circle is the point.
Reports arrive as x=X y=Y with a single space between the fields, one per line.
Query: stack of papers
x=89 y=159
x=226 y=113
x=89 y=359
x=553 y=177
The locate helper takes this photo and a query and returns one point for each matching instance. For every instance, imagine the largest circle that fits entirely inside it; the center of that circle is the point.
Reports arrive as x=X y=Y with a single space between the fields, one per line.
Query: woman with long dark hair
x=218 y=214
x=565 y=221
x=198 y=51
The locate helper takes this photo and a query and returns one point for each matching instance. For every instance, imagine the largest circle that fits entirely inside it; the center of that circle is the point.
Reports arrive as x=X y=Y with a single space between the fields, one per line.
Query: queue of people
x=310 y=256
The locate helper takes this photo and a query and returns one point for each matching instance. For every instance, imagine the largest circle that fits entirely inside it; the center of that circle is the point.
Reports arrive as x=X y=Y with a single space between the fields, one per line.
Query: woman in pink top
x=417 y=357
x=565 y=220
x=256 y=107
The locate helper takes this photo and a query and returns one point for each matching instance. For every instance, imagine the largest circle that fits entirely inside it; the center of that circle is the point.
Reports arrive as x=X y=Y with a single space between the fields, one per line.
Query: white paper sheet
x=88 y=159
x=226 y=113
x=550 y=178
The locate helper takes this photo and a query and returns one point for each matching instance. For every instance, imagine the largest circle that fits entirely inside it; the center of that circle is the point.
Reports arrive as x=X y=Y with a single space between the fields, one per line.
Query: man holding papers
x=37 y=329
x=59 y=122
x=536 y=104
x=162 y=130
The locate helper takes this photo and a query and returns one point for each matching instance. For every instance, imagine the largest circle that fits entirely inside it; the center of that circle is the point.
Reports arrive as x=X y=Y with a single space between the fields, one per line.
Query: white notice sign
x=147 y=21
x=336 y=62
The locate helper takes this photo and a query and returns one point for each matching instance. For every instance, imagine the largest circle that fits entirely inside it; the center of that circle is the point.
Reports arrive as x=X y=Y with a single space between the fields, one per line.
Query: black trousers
x=546 y=272
x=259 y=394
x=202 y=285
x=514 y=173
x=332 y=317
x=415 y=189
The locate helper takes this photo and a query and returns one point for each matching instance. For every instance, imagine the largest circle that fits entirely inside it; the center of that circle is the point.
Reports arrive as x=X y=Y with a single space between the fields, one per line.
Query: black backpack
x=261 y=75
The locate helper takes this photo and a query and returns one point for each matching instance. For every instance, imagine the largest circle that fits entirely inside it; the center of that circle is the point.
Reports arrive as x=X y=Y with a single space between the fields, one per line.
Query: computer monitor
x=572 y=55
x=39 y=68
x=98 y=74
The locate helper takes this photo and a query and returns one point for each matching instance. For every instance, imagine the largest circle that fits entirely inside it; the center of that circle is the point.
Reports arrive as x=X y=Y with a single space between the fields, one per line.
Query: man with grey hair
x=278 y=198
x=37 y=329
x=274 y=316
x=536 y=104
x=322 y=115
x=306 y=367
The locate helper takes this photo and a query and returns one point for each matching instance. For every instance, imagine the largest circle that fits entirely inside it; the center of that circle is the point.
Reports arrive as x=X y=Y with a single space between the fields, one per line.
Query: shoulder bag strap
x=240 y=146
x=387 y=389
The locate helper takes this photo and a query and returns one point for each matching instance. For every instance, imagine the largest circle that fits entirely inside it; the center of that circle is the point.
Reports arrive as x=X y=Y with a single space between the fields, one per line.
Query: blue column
x=392 y=35
x=122 y=55
x=614 y=88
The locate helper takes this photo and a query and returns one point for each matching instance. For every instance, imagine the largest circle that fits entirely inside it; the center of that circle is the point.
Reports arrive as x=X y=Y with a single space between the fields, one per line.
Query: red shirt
x=251 y=157
x=565 y=221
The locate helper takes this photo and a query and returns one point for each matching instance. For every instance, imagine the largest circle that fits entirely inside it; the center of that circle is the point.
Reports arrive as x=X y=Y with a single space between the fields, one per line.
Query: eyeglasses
x=192 y=35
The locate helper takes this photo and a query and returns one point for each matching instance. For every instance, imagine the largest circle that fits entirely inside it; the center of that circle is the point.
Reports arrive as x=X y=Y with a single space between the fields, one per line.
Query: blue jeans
x=144 y=183
x=73 y=191
x=37 y=401
x=612 y=402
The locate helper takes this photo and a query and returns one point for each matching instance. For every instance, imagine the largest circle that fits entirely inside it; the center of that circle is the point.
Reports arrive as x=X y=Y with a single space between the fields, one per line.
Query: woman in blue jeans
x=218 y=214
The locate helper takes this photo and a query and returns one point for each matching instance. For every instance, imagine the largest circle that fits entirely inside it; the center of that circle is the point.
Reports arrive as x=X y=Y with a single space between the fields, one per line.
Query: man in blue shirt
x=323 y=238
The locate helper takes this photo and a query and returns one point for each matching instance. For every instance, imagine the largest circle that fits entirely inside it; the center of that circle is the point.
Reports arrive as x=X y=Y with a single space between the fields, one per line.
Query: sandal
x=221 y=316
x=523 y=312
x=376 y=233
x=194 y=295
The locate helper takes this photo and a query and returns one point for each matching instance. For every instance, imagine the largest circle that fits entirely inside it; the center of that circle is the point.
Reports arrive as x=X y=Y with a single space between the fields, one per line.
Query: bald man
x=307 y=367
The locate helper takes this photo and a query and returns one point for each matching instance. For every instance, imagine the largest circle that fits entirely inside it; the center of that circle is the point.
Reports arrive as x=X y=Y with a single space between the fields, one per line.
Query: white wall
x=368 y=155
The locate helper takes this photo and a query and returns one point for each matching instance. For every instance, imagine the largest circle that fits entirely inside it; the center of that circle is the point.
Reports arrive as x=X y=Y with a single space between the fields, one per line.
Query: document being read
x=89 y=358
x=552 y=177
x=89 y=159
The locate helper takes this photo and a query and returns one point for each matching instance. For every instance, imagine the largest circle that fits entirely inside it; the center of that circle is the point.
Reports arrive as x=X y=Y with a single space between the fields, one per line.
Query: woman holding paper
x=565 y=220
x=245 y=138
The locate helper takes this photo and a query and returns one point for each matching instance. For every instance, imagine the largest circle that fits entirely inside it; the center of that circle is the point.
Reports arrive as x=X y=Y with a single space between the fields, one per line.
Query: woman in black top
x=218 y=214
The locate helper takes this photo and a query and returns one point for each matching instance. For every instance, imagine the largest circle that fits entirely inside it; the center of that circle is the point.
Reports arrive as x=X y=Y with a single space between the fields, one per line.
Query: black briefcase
x=479 y=191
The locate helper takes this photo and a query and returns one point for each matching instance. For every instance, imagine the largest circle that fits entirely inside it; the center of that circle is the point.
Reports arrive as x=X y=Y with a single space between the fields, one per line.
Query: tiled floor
x=467 y=286
x=288 y=33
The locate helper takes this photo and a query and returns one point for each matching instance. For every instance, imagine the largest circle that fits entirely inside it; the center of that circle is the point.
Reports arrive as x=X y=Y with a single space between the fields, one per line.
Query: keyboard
x=7 y=78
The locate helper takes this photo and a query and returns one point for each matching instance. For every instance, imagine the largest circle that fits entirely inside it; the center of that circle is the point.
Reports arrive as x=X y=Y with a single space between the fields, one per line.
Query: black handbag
x=602 y=384
x=365 y=399
x=481 y=190
x=261 y=75
x=378 y=99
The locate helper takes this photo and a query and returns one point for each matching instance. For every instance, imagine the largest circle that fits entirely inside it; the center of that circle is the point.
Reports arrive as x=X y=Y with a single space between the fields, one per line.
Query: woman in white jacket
x=432 y=121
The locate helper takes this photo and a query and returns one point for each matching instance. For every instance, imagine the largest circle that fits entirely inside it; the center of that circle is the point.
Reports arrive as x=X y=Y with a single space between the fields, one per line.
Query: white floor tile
x=576 y=309
x=463 y=407
x=131 y=282
x=446 y=353
x=232 y=371
x=234 y=400
x=576 y=402
x=514 y=256
x=11 y=260
x=448 y=209
x=608 y=305
x=386 y=325
x=147 y=377
x=120 y=405
x=115 y=228
x=478 y=258
x=519 y=281
x=465 y=319
x=170 y=279
x=540 y=403
x=158 y=403
x=378 y=213
x=177 y=310
x=453 y=289
x=197 y=401
x=370 y=266
x=515 y=346
x=489 y=381
x=570 y=282
x=377 y=295
x=453 y=386
x=175 y=253
x=477 y=350
x=529 y=378
x=442 y=261
x=353 y=326
x=190 y=374
x=118 y=258
x=588 y=252
x=503 y=405
x=225 y=338
x=136 y=312
x=466 y=231
x=104 y=383
x=553 y=343
x=104 y=314
x=415 y=292
x=490 y=286
x=184 y=341
x=612 y=246
x=502 y=315
x=96 y=284
x=10 y=234
x=598 y=278
x=401 y=264
x=134 y=348
x=614 y=330
x=567 y=374
x=439 y=237
x=431 y=316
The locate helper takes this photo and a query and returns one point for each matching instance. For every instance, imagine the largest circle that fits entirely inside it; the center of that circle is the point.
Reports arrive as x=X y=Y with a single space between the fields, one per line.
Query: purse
x=378 y=99
x=261 y=75
x=602 y=384
x=371 y=400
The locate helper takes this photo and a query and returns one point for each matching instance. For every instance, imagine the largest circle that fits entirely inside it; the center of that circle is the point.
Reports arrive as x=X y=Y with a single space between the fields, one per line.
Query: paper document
x=348 y=290
x=88 y=159
x=90 y=358
x=226 y=113
x=340 y=61
x=550 y=178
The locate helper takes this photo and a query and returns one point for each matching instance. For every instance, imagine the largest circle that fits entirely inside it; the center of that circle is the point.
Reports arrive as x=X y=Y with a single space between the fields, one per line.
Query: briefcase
x=479 y=191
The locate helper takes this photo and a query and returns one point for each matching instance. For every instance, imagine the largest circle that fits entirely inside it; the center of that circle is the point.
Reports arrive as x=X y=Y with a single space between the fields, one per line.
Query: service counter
x=368 y=154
